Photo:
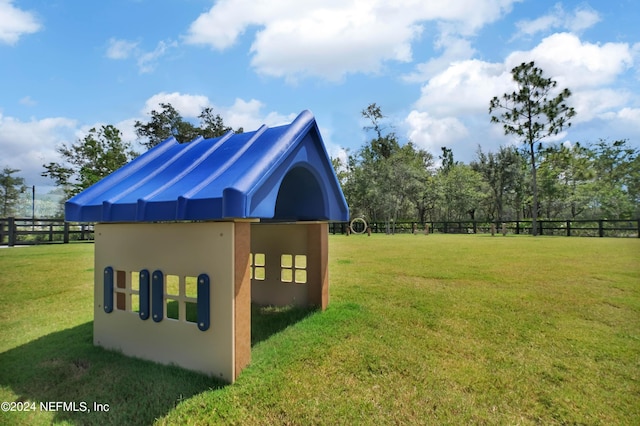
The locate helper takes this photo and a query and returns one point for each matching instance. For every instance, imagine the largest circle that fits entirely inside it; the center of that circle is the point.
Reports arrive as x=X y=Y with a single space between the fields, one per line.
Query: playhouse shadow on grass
x=66 y=366
x=189 y=235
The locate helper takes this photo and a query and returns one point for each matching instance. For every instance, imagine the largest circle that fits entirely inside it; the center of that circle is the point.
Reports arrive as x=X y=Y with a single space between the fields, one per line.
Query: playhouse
x=187 y=236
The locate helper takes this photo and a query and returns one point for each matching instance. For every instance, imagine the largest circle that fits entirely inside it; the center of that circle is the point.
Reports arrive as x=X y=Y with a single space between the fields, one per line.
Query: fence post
x=517 y=227
x=600 y=228
x=1 y=232
x=568 y=228
x=12 y=231
x=65 y=237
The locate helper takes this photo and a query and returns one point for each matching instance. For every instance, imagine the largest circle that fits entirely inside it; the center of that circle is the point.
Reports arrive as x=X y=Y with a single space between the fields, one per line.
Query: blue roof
x=279 y=173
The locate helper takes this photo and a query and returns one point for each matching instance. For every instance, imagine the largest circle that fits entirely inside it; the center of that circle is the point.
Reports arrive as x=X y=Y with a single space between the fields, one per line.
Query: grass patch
x=438 y=329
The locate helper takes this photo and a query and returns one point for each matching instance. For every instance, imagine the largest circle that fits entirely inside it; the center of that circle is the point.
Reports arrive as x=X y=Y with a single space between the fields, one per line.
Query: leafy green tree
x=163 y=124
x=382 y=146
x=368 y=171
x=566 y=179
x=415 y=173
x=90 y=159
x=461 y=192
x=10 y=189
x=354 y=186
x=168 y=122
x=385 y=180
x=340 y=169
x=212 y=125
x=403 y=184
x=617 y=186
x=447 y=159
x=532 y=113
x=502 y=171
x=367 y=186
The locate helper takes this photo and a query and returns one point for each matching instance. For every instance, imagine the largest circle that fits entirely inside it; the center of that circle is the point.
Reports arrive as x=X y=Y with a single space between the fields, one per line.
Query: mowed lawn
x=438 y=329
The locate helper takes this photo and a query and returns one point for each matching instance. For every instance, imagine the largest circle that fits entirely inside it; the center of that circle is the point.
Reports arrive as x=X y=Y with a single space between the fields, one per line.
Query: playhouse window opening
x=127 y=291
x=135 y=281
x=121 y=301
x=191 y=311
x=121 y=290
x=300 y=268
x=179 y=294
x=121 y=279
x=257 y=269
x=173 y=309
x=191 y=287
x=181 y=298
x=172 y=283
x=293 y=268
x=135 y=302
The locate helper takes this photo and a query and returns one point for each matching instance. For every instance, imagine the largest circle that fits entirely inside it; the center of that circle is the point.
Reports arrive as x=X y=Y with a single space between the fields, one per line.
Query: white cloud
x=592 y=103
x=464 y=87
x=584 y=18
x=573 y=63
x=454 y=49
x=431 y=133
x=249 y=115
x=27 y=101
x=630 y=114
x=189 y=106
x=128 y=129
x=331 y=39
x=15 y=22
x=121 y=49
x=27 y=145
x=147 y=61
x=627 y=117
x=581 y=19
x=463 y=90
x=537 y=25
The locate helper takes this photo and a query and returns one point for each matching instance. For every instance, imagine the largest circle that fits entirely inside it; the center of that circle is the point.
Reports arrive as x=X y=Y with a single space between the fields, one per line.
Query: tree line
x=392 y=180
x=386 y=180
x=599 y=180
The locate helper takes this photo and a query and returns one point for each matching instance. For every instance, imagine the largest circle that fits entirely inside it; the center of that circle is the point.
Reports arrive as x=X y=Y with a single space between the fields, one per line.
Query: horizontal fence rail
x=21 y=231
x=26 y=231
x=569 y=228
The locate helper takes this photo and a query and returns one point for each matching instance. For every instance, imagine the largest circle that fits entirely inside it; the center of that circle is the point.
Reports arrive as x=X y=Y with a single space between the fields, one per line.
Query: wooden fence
x=21 y=231
x=569 y=228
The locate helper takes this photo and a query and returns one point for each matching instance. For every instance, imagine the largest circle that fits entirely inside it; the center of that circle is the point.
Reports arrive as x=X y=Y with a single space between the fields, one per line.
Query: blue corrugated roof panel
x=278 y=173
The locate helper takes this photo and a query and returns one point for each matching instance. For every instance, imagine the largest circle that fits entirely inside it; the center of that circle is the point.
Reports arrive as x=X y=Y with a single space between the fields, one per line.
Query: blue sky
x=432 y=66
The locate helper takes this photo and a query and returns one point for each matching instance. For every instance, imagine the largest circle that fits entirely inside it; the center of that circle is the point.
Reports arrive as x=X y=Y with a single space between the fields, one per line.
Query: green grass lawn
x=438 y=329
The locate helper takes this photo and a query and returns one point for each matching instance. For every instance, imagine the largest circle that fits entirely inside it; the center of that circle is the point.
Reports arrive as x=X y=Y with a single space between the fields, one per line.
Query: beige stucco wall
x=180 y=249
x=222 y=251
x=308 y=239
